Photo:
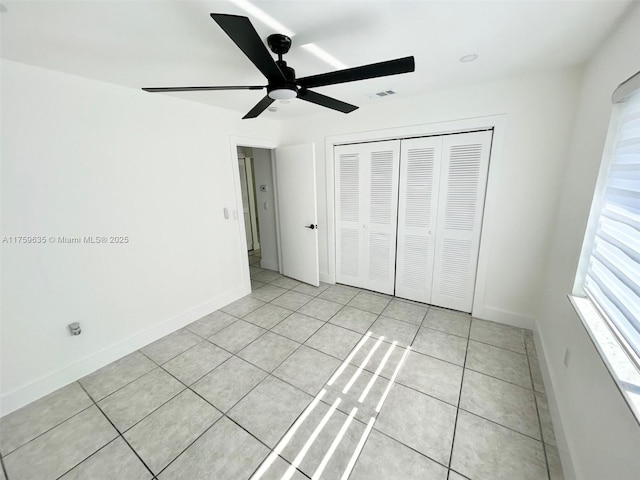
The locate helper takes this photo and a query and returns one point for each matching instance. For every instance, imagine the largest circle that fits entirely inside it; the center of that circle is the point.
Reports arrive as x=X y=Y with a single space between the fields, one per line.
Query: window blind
x=613 y=274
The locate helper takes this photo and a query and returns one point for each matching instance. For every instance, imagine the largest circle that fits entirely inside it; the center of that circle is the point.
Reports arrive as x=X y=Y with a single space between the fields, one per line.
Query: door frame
x=489 y=219
x=234 y=143
x=251 y=198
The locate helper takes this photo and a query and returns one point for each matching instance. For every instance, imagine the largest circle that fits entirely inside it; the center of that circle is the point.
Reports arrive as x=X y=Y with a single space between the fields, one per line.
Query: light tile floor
x=213 y=400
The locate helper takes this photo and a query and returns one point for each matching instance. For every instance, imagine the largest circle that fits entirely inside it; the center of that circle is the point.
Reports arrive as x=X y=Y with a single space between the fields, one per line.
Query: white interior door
x=295 y=172
x=463 y=181
x=417 y=214
x=246 y=210
x=366 y=214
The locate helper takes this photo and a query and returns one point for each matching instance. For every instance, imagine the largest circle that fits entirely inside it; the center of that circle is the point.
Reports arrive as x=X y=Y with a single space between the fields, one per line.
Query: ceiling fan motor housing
x=279 y=44
x=284 y=89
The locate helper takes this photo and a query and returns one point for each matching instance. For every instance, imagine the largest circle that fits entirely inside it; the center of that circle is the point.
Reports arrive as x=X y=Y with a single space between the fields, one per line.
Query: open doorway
x=258 y=205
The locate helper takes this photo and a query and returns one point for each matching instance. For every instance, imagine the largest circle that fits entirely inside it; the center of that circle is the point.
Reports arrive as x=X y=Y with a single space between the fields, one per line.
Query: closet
x=409 y=216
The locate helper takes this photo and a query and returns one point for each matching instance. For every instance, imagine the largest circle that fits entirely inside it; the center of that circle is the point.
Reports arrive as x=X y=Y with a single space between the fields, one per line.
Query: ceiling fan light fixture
x=282 y=94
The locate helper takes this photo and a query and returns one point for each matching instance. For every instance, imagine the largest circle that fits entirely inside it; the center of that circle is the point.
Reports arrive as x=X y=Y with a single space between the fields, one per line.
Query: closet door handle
x=312 y=226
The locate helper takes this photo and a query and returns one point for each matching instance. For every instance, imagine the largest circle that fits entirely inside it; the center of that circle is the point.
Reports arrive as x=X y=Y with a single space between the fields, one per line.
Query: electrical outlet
x=567 y=357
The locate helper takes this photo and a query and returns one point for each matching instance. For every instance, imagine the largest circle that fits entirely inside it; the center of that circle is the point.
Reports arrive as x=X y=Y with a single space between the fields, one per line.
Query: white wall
x=602 y=436
x=81 y=157
x=524 y=185
x=266 y=215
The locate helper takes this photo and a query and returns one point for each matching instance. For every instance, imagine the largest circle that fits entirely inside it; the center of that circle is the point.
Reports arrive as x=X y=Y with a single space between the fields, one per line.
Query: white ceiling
x=176 y=43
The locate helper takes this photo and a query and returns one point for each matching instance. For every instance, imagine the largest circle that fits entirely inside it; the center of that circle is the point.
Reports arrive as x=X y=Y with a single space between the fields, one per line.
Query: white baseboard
x=269 y=265
x=503 y=316
x=22 y=396
x=556 y=419
x=324 y=278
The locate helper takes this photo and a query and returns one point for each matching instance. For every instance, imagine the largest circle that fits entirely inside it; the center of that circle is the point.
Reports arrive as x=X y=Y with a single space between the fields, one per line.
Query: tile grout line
x=119 y=434
x=455 y=423
x=411 y=448
x=223 y=414
x=270 y=373
x=391 y=383
x=320 y=400
x=4 y=469
x=192 y=442
x=427 y=355
x=94 y=453
x=496 y=346
x=501 y=379
x=49 y=429
x=303 y=410
x=126 y=384
x=542 y=442
x=500 y=425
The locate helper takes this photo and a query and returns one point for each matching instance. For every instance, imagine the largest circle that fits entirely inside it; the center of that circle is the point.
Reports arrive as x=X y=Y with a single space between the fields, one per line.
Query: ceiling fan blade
x=241 y=31
x=196 y=89
x=325 y=101
x=381 y=69
x=260 y=107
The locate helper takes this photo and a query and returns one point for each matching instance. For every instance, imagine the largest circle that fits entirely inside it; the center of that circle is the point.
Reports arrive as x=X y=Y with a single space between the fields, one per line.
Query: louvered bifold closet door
x=349 y=215
x=417 y=214
x=463 y=180
x=366 y=209
x=380 y=230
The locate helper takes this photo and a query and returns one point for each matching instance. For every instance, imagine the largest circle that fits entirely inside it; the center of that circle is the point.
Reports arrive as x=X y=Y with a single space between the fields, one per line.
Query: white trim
x=22 y=396
x=626 y=88
x=325 y=278
x=614 y=355
x=558 y=426
x=505 y=317
x=269 y=265
x=253 y=207
x=274 y=182
x=498 y=123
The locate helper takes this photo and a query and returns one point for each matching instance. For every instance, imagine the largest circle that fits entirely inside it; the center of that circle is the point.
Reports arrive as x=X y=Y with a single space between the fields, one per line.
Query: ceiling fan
x=282 y=82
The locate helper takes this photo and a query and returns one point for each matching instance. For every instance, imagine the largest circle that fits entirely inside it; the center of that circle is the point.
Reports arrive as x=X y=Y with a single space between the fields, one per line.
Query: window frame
x=620 y=358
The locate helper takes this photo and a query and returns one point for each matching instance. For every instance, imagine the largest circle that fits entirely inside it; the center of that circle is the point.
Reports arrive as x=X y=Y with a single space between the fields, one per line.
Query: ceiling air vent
x=384 y=93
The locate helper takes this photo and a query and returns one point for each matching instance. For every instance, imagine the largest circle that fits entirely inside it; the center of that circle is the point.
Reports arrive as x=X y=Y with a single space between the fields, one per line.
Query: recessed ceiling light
x=265 y=18
x=323 y=55
x=273 y=109
x=469 y=58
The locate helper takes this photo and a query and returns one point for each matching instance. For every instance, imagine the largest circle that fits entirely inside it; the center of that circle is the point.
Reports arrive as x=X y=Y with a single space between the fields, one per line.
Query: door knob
x=312 y=226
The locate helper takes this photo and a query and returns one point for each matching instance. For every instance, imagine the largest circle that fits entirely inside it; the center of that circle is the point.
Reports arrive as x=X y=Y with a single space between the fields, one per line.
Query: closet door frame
x=496 y=122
